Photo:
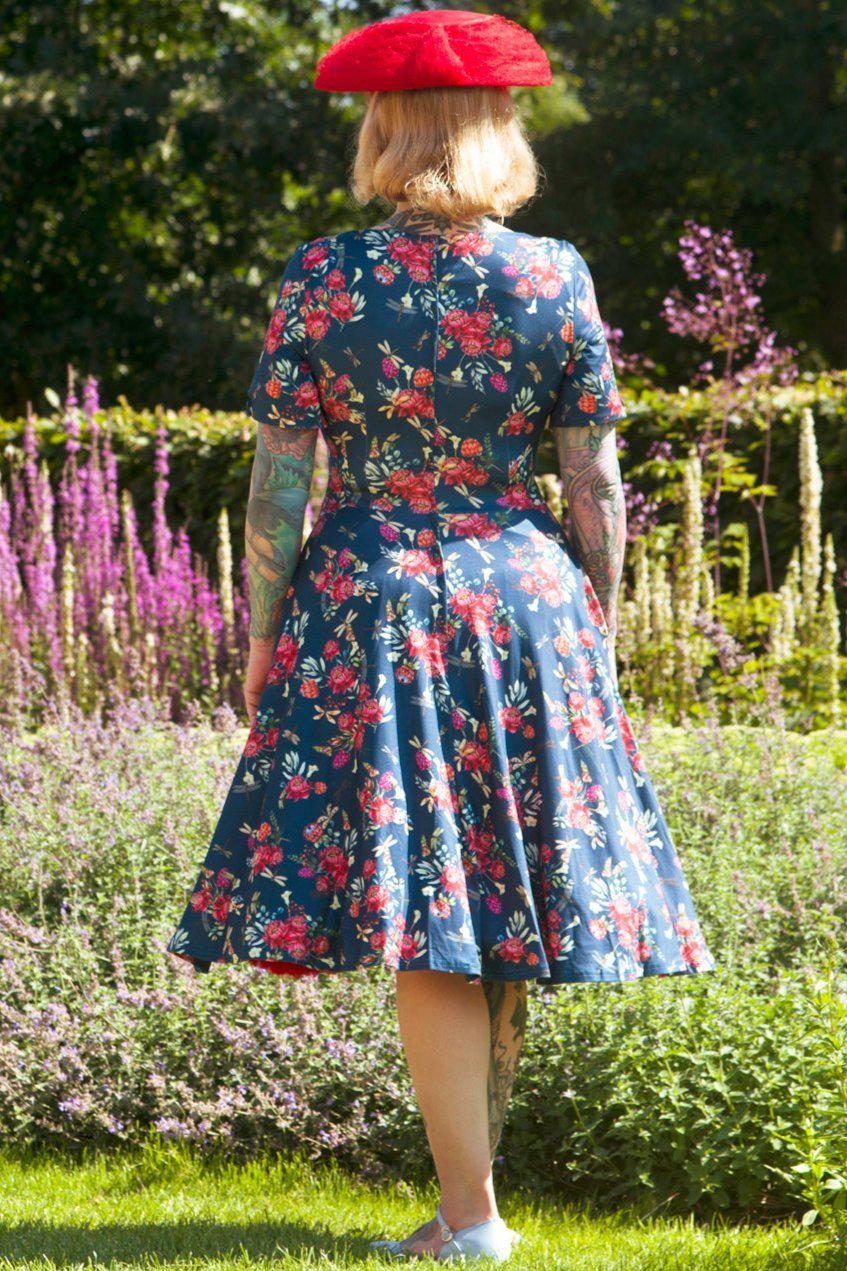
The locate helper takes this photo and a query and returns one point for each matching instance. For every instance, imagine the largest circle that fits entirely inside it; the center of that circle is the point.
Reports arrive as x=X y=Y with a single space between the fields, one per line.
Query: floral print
x=441 y=773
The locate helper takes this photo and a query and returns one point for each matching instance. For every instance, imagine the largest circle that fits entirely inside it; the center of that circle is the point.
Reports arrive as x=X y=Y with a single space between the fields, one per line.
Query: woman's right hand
x=258 y=666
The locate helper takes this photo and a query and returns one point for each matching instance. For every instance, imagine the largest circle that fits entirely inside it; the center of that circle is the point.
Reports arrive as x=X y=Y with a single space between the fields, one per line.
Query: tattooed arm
x=276 y=508
x=591 y=477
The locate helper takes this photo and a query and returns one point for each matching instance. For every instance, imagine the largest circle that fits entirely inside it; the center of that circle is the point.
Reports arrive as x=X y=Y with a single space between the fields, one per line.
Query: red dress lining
x=270 y=964
x=283 y=968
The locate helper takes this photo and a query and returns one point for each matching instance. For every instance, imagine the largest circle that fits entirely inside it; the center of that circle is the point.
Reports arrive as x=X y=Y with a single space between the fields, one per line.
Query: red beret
x=431 y=48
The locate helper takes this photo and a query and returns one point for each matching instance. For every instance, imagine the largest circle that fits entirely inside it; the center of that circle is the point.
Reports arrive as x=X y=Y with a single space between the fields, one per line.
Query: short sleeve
x=588 y=392
x=283 y=391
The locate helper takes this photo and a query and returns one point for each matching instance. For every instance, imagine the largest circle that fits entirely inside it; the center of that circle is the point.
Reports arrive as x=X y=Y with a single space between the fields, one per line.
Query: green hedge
x=211 y=455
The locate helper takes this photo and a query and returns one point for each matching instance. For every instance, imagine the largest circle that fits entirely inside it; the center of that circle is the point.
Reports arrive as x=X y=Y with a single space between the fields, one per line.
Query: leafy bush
x=673 y=1094
x=693 y=1096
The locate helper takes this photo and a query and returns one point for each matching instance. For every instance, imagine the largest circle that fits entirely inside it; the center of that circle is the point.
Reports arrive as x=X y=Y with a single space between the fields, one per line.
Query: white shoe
x=489 y=1239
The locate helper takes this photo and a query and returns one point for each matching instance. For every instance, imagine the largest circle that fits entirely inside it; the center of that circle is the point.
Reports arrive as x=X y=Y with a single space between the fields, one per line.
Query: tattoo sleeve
x=276 y=509
x=591 y=479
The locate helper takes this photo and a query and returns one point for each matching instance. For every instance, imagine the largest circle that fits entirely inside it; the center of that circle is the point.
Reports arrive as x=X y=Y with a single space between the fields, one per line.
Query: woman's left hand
x=258 y=666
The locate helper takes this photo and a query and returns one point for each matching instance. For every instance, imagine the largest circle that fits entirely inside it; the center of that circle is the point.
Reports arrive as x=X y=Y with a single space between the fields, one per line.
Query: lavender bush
x=105 y=1039
x=86 y=613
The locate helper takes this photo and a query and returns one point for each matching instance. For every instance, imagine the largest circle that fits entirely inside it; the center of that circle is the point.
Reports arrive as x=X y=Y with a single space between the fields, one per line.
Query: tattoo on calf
x=507 y=1009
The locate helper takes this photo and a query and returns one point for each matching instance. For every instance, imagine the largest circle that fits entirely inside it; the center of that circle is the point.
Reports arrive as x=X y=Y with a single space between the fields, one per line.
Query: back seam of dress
x=449 y=741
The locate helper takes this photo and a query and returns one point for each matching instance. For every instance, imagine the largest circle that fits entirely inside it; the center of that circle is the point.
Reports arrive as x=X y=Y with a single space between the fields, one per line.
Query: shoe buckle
x=446 y=1233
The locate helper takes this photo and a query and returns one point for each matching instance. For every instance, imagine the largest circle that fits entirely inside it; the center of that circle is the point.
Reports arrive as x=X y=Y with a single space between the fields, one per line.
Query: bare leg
x=462 y=1074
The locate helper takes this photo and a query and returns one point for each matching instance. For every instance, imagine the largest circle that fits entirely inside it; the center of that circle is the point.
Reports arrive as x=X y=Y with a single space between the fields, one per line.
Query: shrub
x=689 y=1095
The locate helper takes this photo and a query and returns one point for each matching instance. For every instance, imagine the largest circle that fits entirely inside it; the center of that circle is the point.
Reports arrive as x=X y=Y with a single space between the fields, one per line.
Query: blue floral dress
x=441 y=773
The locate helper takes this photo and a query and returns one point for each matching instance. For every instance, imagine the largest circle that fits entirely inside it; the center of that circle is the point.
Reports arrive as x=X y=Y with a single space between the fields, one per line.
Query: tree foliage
x=159 y=162
x=731 y=112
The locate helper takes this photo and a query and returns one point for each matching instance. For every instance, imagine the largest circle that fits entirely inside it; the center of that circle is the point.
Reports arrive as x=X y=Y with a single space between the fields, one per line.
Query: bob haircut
x=454 y=151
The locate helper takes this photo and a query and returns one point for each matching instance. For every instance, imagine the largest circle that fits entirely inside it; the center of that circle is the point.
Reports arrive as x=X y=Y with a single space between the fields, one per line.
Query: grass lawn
x=160 y=1206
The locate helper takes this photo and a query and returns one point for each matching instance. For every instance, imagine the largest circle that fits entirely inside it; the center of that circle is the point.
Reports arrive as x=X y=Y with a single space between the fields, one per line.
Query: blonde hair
x=455 y=151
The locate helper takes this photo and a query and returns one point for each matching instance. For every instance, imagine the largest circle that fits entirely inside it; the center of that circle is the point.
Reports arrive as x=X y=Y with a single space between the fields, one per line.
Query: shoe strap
x=447 y=1232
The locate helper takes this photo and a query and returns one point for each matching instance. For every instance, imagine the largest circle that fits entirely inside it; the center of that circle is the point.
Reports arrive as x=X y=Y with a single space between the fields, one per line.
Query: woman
x=440 y=776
